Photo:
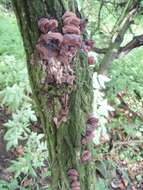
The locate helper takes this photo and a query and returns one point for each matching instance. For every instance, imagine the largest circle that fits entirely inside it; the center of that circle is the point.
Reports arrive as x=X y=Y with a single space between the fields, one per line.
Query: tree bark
x=64 y=143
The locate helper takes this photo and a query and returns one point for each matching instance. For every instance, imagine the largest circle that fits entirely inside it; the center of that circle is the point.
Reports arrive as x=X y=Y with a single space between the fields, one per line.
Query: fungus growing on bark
x=87 y=45
x=73 y=178
x=72 y=40
x=72 y=20
x=43 y=25
x=73 y=172
x=48 y=50
x=48 y=45
x=91 y=60
x=92 y=124
x=75 y=185
x=74 y=182
x=57 y=50
x=87 y=139
x=53 y=24
x=86 y=156
x=68 y=14
x=75 y=188
x=71 y=29
x=55 y=37
x=83 y=23
x=92 y=121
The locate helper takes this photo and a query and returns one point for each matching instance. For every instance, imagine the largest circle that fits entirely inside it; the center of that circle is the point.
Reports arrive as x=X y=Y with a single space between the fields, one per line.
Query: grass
x=10 y=38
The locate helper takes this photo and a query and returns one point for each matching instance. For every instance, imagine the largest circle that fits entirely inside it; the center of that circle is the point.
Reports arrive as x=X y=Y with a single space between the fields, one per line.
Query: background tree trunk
x=64 y=143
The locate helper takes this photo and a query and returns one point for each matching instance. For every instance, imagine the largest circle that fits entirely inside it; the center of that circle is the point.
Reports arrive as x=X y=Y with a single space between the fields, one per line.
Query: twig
x=118 y=32
x=99 y=15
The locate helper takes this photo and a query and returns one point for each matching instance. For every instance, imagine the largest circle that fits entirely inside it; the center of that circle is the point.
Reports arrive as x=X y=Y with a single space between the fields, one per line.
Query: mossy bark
x=64 y=143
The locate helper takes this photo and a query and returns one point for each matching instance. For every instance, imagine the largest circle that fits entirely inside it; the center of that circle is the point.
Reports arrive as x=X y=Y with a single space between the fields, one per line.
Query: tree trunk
x=64 y=143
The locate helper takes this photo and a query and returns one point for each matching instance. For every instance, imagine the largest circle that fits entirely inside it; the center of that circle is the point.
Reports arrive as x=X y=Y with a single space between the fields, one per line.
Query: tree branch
x=99 y=14
x=136 y=42
x=100 y=50
x=119 y=30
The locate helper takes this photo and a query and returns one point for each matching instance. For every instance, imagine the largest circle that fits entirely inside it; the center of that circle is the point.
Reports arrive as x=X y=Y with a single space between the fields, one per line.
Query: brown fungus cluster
x=86 y=156
x=92 y=124
x=57 y=50
x=74 y=179
x=87 y=46
x=45 y=25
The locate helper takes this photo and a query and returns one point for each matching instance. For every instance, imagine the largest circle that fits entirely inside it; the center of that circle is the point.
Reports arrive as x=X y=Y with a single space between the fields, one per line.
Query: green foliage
x=126 y=74
x=35 y=153
x=17 y=127
x=101 y=185
x=12 y=71
x=9 y=35
x=14 y=97
x=5 y=2
x=9 y=185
